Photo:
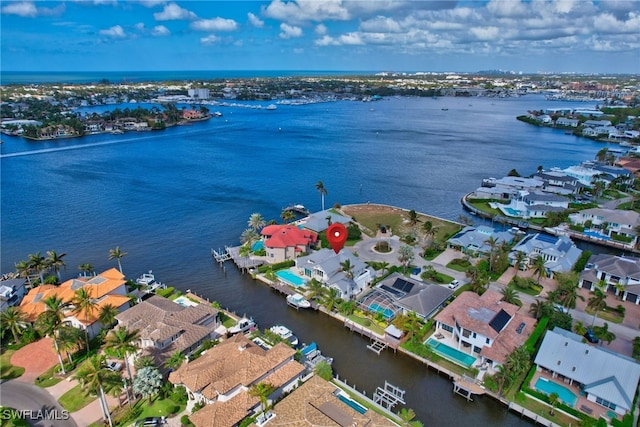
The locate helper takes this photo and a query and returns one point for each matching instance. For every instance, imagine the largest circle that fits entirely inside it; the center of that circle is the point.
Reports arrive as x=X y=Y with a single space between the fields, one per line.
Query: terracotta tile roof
x=284 y=236
x=100 y=287
x=225 y=414
x=232 y=363
x=303 y=407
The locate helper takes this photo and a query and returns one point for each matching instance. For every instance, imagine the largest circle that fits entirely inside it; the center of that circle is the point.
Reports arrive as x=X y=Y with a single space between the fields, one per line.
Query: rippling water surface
x=167 y=197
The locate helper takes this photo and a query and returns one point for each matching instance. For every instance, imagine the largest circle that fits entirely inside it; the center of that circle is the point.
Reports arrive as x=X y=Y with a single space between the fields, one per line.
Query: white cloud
x=351 y=39
x=306 y=10
x=215 y=24
x=160 y=30
x=116 y=32
x=507 y=8
x=298 y=51
x=24 y=9
x=210 y=39
x=485 y=33
x=289 y=31
x=173 y=12
x=381 y=23
x=321 y=29
x=151 y=3
x=139 y=26
x=255 y=21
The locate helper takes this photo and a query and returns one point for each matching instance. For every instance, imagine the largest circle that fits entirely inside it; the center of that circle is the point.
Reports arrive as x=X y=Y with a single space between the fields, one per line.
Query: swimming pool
x=185 y=302
x=595 y=235
x=355 y=405
x=257 y=246
x=512 y=212
x=547 y=387
x=450 y=353
x=386 y=312
x=289 y=277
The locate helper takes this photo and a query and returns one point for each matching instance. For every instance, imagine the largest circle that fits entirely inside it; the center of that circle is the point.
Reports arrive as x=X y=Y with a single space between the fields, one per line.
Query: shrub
x=185 y=421
x=166 y=292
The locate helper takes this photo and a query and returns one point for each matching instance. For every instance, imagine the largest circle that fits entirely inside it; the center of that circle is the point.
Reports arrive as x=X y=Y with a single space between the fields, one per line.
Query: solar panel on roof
x=403 y=285
x=500 y=320
x=392 y=291
x=547 y=238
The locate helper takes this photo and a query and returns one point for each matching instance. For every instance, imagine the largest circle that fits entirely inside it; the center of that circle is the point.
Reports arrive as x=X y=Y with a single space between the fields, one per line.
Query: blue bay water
x=167 y=197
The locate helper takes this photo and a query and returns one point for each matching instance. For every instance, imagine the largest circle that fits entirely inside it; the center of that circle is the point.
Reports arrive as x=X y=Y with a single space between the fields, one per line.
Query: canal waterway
x=167 y=198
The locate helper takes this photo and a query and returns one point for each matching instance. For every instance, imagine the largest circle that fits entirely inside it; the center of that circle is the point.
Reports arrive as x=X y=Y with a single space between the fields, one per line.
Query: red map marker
x=337 y=236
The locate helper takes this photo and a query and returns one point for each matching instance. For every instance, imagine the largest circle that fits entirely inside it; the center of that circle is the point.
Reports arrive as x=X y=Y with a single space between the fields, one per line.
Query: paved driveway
x=35 y=358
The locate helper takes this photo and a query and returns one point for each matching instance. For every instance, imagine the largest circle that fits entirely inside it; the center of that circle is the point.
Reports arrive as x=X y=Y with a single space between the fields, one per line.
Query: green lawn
x=609 y=314
x=459 y=265
x=367 y=323
x=47 y=378
x=161 y=408
x=75 y=399
x=7 y=370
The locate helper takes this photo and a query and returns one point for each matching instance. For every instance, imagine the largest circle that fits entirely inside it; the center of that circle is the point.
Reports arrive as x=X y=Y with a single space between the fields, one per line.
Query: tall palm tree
x=107 y=314
x=330 y=299
x=407 y=416
x=579 y=328
x=553 y=401
x=38 y=263
x=316 y=289
x=539 y=268
x=520 y=257
x=287 y=216
x=48 y=324
x=123 y=342
x=69 y=339
x=175 y=361
x=597 y=302
x=95 y=377
x=13 y=319
x=262 y=391
x=538 y=308
x=603 y=333
x=84 y=304
x=405 y=256
x=347 y=268
x=322 y=190
x=23 y=268
x=55 y=260
x=256 y=221
x=117 y=254
x=249 y=236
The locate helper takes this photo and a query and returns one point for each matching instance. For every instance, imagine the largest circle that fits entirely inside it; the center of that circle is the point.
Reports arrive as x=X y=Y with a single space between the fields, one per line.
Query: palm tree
x=493 y=244
x=123 y=342
x=69 y=339
x=597 y=302
x=38 y=263
x=256 y=221
x=117 y=254
x=406 y=415
x=85 y=268
x=405 y=256
x=23 y=268
x=553 y=401
x=83 y=303
x=579 y=328
x=330 y=299
x=54 y=260
x=520 y=257
x=143 y=361
x=48 y=324
x=94 y=377
x=175 y=361
x=15 y=320
x=539 y=268
x=603 y=333
x=510 y=295
x=347 y=268
x=316 y=289
x=262 y=391
x=287 y=216
x=413 y=217
x=502 y=378
x=249 y=236
x=322 y=190
x=107 y=314
x=384 y=266
x=538 y=308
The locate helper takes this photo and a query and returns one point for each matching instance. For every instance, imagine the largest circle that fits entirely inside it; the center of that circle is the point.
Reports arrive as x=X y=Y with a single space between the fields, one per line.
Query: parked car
x=150 y=421
x=591 y=337
x=454 y=284
x=560 y=308
x=114 y=366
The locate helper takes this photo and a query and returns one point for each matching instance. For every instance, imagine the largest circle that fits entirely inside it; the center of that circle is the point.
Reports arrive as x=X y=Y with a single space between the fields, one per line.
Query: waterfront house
x=597 y=123
x=538 y=203
x=318 y=402
x=609 y=222
x=166 y=326
x=506 y=188
x=556 y=181
x=484 y=326
x=564 y=121
x=620 y=273
x=286 y=242
x=191 y=114
x=400 y=294
x=473 y=240
x=108 y=287
x=320 y=221
x=11 y=292
x=558 y=252
x=222 y=377
x=327 y=267
x=606 y=378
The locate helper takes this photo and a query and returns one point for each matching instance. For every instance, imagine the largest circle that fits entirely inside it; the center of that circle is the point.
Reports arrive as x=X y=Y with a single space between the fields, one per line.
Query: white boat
x=244 y=325
x=271 y=107
x=285 y=333
x=298 y=301
x=149 y=283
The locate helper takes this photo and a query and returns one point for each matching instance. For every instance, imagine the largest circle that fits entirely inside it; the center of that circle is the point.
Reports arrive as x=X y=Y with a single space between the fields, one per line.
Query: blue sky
x=343 y=35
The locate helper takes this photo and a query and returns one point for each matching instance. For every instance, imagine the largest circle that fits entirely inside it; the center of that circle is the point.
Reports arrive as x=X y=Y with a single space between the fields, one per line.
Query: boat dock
x=467 y=387
x=378 y=343
x=297 y=209
x=377 y=346
x=233 y=253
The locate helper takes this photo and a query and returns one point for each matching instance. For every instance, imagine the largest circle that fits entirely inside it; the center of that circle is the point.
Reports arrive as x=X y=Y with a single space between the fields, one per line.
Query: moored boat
x=298 y=301
x=244 y=325
x=149 y=283
x=285 y=333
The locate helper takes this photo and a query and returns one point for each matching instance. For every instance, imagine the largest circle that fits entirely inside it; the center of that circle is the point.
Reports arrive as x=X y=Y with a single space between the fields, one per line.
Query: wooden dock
x=467 y=387
x=380 y=339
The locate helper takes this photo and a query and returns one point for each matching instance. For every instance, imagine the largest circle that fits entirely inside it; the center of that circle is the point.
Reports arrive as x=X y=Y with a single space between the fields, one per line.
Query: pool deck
x=582 y=404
